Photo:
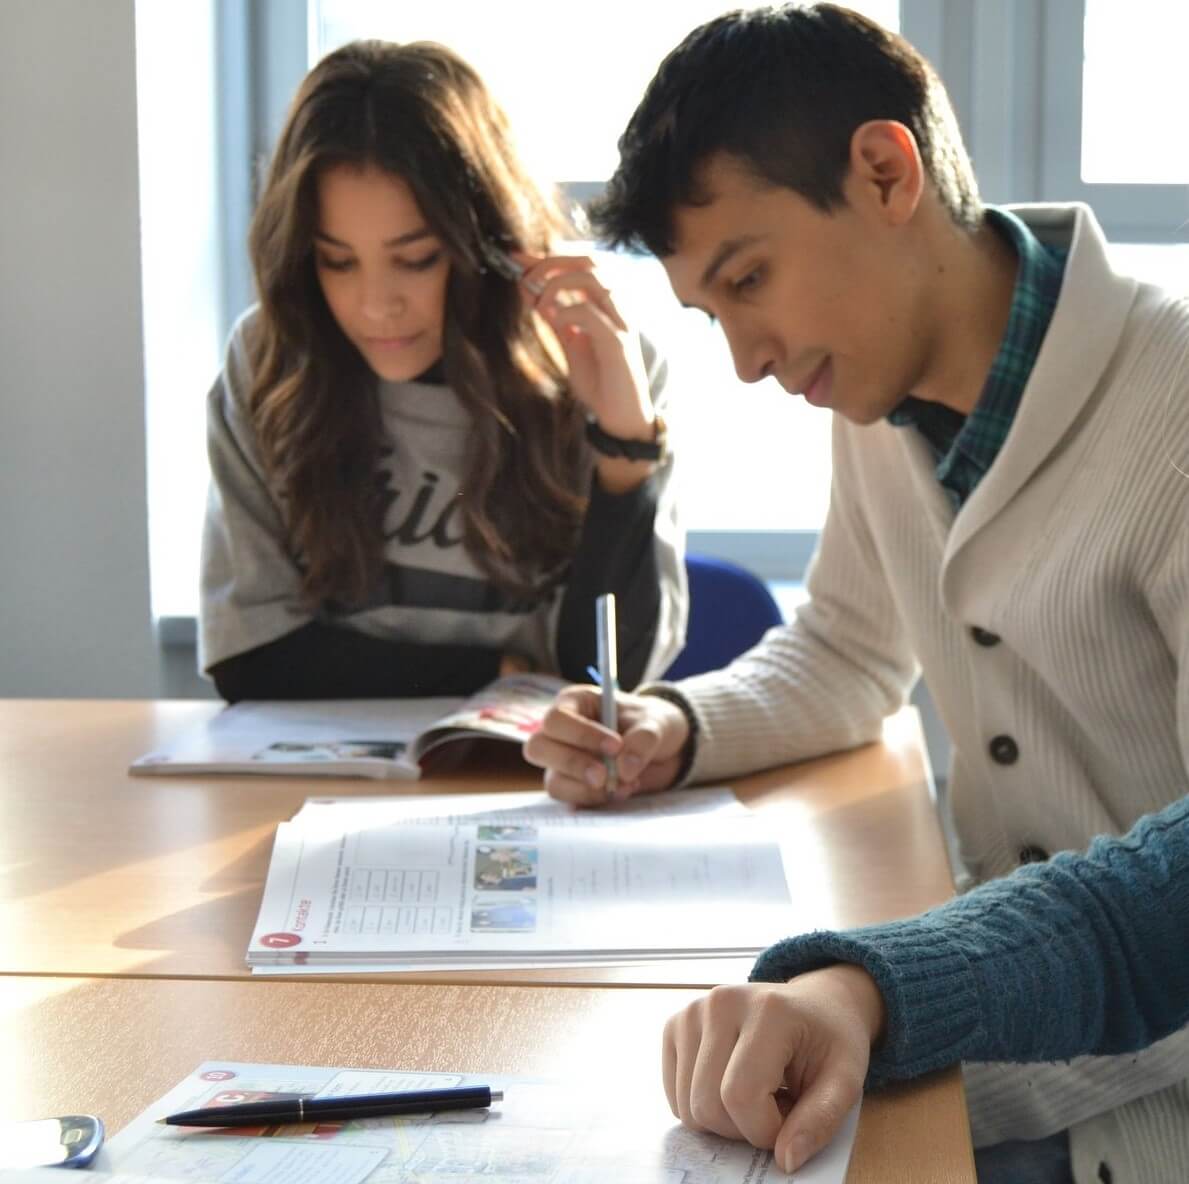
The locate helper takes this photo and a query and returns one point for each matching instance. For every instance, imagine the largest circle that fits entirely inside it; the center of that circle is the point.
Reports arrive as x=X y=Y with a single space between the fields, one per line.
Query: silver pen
x=608 y=676
x=503 y=264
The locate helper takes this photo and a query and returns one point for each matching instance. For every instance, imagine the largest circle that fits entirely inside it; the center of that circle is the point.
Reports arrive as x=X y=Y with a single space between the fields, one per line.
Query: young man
x=1007 y=516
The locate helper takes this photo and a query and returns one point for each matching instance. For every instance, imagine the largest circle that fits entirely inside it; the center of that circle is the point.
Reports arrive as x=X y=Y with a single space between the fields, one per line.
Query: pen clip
x=505 y=266
x=500 y=261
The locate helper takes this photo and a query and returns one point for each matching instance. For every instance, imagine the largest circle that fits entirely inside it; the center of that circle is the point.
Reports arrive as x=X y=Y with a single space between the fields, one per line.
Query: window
x=180 y=274
x=1114 y=99
x=1090 y=110
x=213 y=83
x=754 y=458
x=1134 y=93
x=568 y=76
x=1134 y=100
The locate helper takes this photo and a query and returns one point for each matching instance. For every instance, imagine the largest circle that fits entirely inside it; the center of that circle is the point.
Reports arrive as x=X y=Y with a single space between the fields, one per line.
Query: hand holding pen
x=572 y=746
x=584 y=727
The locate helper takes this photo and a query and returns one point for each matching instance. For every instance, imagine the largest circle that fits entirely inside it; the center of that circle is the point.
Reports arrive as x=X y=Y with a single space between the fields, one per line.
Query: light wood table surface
x=106 y=874
x=113 y=1046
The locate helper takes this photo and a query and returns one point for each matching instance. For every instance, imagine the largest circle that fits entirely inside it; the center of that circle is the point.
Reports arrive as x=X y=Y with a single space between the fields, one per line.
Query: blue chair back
x=729 y=611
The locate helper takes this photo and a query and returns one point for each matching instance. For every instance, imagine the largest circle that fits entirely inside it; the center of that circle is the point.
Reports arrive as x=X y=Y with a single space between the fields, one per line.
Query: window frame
x=265 y=47
x=1133 y=213
x=1016 y=134
x=1026 y=137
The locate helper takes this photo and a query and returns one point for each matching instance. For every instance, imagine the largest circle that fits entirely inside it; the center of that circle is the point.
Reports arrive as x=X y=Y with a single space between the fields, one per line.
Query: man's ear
x=886 y=173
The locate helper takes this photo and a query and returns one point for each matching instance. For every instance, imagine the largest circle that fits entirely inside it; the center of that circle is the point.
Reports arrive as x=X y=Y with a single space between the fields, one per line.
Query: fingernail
x=630 y=767
x=611 y=745
x=795 y=1153
x=594 y=776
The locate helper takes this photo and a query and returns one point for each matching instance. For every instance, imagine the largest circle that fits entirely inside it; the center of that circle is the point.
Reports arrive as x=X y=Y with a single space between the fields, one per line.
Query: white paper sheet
x=366 y=881
x=542 y=1133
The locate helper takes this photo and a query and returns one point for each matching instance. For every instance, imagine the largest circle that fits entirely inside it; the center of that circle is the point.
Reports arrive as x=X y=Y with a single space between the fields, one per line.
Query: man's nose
x=753 y=358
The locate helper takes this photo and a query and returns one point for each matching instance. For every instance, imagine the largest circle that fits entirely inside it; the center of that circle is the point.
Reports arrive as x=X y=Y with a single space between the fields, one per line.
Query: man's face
x=822 y=302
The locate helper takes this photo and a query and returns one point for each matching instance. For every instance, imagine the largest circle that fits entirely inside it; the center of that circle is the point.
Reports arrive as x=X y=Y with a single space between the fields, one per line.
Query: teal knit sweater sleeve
x=1082 y=954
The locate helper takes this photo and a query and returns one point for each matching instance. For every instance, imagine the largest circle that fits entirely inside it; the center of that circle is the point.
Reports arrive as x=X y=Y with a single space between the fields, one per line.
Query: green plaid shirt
x=964 y=446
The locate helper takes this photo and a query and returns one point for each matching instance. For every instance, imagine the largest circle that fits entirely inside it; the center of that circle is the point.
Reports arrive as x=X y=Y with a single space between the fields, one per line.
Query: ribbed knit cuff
x=929 y=990
x=748 y=725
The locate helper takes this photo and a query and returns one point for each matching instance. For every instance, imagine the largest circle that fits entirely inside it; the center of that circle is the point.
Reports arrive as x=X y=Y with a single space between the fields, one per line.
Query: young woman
x=434 y=441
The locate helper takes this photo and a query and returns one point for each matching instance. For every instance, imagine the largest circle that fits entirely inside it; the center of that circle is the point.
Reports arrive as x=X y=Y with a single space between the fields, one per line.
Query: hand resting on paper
x=779 y=1065
x=571 y=744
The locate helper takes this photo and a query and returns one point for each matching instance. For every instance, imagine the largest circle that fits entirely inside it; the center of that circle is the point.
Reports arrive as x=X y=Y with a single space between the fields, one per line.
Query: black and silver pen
x=293 y=1110
x=605 y=640
x=513 y=271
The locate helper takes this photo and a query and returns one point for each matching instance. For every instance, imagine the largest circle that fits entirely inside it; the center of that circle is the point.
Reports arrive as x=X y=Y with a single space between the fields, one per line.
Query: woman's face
x=382 y=270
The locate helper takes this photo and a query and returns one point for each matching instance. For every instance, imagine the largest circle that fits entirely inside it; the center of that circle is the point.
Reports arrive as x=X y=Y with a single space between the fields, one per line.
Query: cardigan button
x=1104 y=1172
x=1004 y=750
x=1033 y=854
x=984 y=637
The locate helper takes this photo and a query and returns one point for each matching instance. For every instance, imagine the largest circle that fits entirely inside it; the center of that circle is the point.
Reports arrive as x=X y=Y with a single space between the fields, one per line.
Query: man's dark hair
x=782 y=90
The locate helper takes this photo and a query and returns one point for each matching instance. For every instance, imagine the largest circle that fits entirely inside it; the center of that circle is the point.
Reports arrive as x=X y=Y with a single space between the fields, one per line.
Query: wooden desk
x=106 y=874
x=112 y=1046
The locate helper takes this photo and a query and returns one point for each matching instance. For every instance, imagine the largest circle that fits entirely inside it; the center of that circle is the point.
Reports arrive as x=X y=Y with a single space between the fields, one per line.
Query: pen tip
x=497 y=1095
x=161 y=1122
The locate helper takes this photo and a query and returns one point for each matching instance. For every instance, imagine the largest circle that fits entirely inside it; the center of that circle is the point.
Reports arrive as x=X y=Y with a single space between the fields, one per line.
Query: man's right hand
x=571 y=746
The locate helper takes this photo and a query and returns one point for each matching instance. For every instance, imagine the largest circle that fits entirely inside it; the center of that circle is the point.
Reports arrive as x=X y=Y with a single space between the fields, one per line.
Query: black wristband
x=690 y=749
x=614 y=446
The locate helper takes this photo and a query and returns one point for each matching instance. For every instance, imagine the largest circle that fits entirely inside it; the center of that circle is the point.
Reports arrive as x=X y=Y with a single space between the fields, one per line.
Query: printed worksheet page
x=527 y=807
x=354 y=883
x=541 y=1133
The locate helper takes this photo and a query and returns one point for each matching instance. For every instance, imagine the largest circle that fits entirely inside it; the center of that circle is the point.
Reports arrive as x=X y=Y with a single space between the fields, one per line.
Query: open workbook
x=352 y=737
x=514 y=880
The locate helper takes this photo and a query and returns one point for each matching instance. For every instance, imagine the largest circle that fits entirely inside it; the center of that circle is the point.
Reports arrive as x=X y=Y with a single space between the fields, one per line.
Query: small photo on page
x=505 y=869
x=507 y=833
x=287 y=751
x=384 y=750
x=503 y=914
x=313 y=752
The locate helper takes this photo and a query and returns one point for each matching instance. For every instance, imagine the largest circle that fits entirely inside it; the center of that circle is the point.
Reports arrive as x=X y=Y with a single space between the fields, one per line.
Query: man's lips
x=808 y=386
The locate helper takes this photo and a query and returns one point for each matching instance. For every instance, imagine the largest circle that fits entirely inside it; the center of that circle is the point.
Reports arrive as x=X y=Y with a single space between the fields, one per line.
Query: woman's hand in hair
x=780 y=1065
x=606 y=366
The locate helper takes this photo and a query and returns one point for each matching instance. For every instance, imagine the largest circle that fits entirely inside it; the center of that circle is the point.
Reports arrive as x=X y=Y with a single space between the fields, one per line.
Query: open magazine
x=352 y=737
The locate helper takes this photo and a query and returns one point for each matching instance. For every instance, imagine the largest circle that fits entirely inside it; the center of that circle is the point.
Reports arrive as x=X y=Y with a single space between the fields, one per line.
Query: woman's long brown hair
x=421 y=113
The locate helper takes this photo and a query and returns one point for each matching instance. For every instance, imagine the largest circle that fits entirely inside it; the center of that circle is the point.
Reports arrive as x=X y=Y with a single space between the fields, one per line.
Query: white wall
x=74 y=588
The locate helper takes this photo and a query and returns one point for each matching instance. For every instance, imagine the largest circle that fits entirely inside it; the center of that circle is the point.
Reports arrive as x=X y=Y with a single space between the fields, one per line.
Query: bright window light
x=180 y=272
x=1135 y=93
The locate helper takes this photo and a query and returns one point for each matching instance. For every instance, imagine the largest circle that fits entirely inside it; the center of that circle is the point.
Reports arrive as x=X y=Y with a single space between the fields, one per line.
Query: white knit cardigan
x=1074 y=552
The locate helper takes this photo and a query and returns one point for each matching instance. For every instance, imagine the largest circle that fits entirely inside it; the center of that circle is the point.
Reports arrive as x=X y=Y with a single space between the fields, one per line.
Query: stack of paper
x=401 y=883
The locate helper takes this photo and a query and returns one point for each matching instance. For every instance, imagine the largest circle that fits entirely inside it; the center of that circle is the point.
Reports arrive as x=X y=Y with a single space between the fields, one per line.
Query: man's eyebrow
x=401 y=239
x=731 y=247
